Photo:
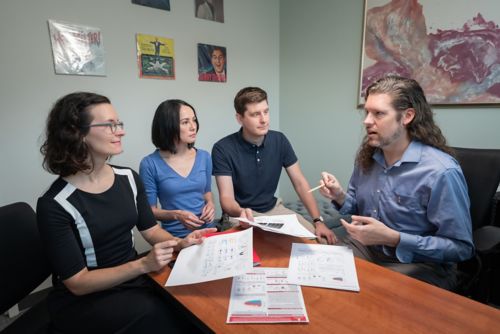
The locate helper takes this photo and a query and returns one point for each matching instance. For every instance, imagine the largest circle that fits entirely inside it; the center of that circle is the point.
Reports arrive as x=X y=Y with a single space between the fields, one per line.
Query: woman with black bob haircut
x=86 y=222
x=177 y=174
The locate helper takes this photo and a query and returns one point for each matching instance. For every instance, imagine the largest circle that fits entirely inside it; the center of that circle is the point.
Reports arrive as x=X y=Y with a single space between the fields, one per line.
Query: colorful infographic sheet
x=219 y=256
x=324 y=266
x=264 y=295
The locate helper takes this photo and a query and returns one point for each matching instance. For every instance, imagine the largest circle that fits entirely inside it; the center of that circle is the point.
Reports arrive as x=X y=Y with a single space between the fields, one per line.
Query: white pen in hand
x=315 y=188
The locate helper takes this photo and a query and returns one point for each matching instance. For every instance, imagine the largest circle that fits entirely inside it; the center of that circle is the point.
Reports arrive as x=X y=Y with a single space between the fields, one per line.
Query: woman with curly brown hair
x=86 y=222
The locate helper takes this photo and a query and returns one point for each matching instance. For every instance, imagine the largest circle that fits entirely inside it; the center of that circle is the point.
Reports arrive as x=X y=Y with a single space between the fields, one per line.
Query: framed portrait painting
x=451 y=47
x=212 y=10
x=212 y=63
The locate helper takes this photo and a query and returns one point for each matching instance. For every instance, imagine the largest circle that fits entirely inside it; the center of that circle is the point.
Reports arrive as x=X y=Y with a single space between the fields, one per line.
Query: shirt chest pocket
x=407 y=201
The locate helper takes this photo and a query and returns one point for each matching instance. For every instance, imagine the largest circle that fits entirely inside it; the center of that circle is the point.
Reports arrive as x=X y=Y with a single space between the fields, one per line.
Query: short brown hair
x=248 y=95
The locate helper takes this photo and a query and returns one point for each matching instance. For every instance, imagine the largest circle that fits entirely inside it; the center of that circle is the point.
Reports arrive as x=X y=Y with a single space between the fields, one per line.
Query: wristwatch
x=318 y=220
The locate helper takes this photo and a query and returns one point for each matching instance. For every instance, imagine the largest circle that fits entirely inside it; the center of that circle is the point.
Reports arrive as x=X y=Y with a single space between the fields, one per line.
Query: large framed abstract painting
x=451 y=47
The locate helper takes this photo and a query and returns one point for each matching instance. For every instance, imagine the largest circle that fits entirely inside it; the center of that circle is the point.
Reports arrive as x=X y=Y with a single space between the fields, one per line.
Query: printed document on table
x=219 y=256
x=324 y=266
x=284 y=224
x=264 y=295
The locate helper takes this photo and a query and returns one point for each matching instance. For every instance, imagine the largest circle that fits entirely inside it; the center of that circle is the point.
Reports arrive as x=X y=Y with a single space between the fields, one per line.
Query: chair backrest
x=481 y=168
x=22 y=259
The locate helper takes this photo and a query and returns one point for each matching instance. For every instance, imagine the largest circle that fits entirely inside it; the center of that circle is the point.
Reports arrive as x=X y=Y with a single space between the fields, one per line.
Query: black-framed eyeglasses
x=112 y=126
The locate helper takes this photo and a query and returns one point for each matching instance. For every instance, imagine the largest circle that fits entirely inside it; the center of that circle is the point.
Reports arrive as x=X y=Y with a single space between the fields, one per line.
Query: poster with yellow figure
x=155 y=57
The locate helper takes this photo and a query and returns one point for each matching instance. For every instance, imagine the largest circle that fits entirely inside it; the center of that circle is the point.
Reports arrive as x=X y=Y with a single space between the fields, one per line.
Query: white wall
x=305 y=54
x=29 y=87
x=320 y=51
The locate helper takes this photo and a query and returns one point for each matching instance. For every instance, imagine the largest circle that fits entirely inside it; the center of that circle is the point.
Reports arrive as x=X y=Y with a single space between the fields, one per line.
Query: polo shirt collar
x=248 y=144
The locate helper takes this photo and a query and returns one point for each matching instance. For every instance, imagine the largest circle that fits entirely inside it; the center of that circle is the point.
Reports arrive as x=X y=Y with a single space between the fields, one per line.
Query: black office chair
x=23 y=267
x=481 y=168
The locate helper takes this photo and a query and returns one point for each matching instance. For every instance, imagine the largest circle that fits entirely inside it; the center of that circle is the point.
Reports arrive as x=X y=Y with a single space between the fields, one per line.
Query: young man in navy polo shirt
x=247 y=166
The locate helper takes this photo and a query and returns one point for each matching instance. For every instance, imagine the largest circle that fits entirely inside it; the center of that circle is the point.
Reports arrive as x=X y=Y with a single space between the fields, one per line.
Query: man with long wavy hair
x=407 y=194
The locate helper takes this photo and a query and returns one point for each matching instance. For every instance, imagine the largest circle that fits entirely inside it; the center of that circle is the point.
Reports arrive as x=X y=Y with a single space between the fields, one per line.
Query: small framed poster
x=155 y=57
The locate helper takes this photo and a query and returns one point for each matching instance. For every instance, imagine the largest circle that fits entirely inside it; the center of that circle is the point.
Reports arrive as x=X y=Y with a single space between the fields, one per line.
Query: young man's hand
x=322 y=231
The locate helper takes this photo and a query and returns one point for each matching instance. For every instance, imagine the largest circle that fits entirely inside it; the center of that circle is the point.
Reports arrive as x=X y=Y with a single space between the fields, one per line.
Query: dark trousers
x=132 y=307
x=443 y=275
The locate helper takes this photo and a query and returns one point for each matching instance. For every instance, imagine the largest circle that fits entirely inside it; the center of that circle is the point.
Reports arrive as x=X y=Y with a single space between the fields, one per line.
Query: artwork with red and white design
x=451 y=47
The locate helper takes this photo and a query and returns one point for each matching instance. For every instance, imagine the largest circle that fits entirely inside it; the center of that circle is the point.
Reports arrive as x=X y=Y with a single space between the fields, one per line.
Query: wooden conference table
x=388 y=302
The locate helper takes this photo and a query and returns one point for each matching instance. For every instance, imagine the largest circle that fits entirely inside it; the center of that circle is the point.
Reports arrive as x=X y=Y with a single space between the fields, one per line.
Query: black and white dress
x=81 y=229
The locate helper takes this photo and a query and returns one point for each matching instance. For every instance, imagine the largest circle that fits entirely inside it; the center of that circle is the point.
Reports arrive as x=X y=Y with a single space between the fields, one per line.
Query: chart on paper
x=219 y=256
x=264 y=295
x=323 y=266
x=283 y=224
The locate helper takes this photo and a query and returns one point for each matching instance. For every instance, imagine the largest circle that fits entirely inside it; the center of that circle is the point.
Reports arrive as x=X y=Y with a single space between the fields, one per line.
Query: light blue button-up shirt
x=424 y=197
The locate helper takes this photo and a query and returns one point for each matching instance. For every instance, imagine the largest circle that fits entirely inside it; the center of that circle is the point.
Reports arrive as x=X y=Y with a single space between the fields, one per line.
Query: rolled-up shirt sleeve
x=349 y=206
x=350 y=203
